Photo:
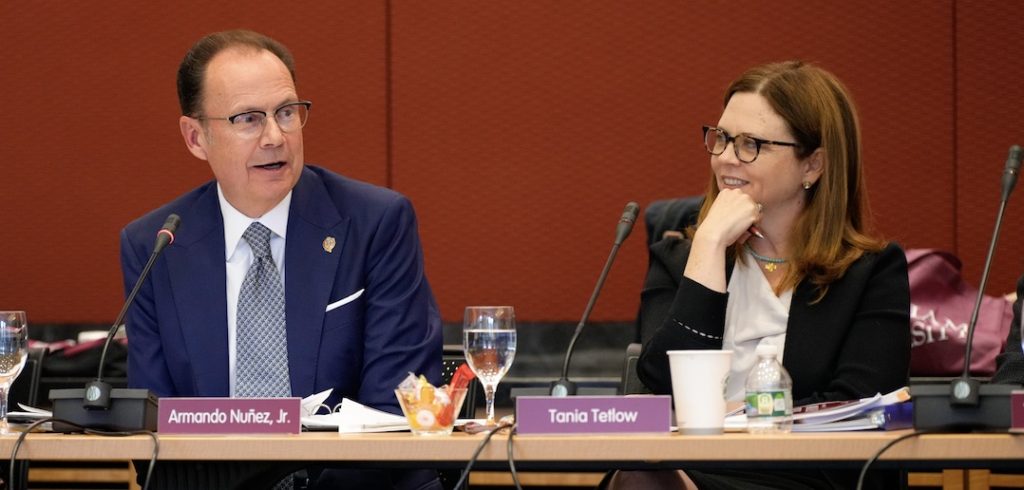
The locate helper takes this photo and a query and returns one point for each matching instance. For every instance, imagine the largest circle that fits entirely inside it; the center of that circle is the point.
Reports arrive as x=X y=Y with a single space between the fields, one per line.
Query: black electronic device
x=129 y=410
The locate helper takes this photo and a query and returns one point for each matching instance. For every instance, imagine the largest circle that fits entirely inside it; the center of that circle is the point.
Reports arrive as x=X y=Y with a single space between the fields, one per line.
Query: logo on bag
x=926 y=328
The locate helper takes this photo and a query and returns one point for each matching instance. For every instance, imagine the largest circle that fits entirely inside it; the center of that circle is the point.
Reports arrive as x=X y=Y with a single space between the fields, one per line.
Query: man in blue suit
x=359 y=313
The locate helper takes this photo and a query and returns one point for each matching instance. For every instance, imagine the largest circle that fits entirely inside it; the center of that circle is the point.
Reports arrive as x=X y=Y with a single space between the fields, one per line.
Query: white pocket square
x=346 y=300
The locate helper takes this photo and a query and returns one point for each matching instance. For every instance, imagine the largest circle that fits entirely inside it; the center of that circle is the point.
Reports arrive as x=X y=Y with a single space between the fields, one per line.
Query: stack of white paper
x=349 y=416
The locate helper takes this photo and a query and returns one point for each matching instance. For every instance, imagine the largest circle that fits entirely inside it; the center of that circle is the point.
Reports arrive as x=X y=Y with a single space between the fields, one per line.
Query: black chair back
x=670 y=215
x=630 y=384
x=26 y=387
x=449 y=363
x=666 y=215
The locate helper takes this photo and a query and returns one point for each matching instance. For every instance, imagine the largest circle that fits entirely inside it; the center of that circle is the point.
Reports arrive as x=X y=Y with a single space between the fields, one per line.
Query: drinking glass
x=13 y=353
x=489 y=338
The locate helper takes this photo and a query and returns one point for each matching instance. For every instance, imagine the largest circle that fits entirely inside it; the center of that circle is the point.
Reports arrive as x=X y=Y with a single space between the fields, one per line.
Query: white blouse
x=754 y=315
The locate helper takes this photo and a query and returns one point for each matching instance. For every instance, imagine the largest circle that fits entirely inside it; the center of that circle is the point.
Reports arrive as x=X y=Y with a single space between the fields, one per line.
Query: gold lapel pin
x=329 y=243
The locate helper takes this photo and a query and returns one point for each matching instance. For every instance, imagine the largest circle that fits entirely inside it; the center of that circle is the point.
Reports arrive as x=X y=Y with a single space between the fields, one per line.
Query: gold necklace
x=771 y=264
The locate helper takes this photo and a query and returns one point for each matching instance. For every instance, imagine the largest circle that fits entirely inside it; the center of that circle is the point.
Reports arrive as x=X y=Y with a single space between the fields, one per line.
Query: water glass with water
x=489 y=339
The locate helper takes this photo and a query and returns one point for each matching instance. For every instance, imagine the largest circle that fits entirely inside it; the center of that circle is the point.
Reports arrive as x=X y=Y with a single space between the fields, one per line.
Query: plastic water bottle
x=769 y=394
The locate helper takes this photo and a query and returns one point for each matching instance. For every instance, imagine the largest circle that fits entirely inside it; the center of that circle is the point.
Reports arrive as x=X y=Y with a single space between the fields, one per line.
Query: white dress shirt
x=238 y=258
x=754 y=316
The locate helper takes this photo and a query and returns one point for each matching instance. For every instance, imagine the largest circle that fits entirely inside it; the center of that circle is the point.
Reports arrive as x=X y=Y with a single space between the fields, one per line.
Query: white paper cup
x=698 y=389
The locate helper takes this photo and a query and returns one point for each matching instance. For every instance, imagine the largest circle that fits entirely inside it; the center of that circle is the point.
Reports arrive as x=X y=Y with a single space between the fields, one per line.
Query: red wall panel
x=990 y=118
x=519 y=129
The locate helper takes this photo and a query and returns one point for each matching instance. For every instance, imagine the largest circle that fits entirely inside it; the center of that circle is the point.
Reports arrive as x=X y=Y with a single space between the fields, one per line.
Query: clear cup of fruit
x=430 y=411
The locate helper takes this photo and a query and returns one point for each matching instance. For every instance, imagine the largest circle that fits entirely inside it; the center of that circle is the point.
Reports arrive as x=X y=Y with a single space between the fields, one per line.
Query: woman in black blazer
x=782 y=254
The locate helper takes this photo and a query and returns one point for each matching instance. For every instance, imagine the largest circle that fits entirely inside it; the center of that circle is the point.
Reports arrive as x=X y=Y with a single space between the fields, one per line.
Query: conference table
x=541 y=453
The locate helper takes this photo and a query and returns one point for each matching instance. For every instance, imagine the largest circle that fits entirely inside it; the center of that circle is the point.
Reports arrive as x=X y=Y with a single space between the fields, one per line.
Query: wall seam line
x=388 y=101
x=956 y=137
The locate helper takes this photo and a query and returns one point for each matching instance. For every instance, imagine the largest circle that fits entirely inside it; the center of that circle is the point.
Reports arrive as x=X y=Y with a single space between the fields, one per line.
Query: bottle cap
x=765 y=350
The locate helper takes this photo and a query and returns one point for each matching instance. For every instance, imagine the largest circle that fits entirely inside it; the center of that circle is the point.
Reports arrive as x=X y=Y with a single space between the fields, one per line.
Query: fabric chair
x=25 y=389
x=671 y=215
x=661 y=217
x=630 y=384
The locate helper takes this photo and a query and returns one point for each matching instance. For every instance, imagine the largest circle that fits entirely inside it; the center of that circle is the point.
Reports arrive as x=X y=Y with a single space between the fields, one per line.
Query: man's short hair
x=193 y=66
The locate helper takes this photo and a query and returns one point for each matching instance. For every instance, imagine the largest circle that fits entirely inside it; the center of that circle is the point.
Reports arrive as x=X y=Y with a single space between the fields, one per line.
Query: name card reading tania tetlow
x=593 y=414
x=229 y=416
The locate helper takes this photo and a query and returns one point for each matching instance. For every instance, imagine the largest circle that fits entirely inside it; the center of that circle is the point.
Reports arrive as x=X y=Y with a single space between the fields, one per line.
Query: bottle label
x=771 y=403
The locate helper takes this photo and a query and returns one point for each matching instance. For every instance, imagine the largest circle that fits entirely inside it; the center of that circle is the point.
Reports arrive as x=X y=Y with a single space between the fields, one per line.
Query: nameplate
x=229 y=416
x=593 y=414
x=1017 y=411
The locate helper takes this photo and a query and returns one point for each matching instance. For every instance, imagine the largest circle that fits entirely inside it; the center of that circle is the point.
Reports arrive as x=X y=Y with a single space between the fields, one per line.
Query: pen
x=754 y=230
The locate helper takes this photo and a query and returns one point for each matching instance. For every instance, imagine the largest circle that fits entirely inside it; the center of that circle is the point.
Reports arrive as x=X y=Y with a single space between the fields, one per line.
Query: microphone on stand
x=97 y=397
x=965 y=403
x=565 y=387
x=964 y=390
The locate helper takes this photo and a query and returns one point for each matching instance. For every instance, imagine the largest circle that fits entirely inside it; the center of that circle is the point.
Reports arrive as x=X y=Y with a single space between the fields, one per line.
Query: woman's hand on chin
x=729 y=220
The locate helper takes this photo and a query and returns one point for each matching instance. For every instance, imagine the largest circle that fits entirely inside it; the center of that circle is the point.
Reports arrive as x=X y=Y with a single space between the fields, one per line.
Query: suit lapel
x=310 y=271
x=806 y=335
x=198 y=281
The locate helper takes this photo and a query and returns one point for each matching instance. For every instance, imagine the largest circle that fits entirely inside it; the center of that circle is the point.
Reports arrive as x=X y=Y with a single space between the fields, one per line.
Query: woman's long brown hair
x=835 y=228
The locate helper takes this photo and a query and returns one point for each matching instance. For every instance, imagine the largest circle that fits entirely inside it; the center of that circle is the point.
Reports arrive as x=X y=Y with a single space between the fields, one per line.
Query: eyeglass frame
x=758 y=142
x=263 y=124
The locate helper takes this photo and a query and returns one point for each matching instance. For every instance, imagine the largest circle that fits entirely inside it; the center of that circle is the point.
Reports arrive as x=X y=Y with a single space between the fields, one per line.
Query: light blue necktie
x=261 y=364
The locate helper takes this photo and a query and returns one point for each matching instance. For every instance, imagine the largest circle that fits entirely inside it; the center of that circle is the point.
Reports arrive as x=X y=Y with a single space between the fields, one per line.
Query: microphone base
x=130 y=410
x=562 y=387
x=936 y=409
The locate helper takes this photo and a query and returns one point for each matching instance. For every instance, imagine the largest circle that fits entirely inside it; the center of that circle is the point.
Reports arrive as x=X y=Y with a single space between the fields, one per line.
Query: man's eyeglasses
x=289 y=117
x=747 y=147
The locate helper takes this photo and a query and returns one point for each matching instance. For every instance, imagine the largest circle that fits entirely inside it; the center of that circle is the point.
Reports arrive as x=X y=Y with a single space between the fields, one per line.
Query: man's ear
x=814 y=166
x=195 y=136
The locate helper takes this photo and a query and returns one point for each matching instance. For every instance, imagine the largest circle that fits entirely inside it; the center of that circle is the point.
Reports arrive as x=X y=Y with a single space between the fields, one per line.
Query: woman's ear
x=814 y=166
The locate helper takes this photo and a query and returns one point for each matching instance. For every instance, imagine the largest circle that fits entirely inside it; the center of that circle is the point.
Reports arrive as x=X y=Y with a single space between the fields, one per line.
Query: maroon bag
x=941 y=304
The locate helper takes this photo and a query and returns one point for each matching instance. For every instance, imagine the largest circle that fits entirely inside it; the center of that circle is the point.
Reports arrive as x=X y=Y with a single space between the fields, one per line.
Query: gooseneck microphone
x=1011 y=171
x=97 y=391
x=564 y=387
x=964 y=390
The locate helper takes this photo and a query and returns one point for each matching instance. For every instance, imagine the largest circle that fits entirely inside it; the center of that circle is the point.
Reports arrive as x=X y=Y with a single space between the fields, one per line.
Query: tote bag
x=941 y=303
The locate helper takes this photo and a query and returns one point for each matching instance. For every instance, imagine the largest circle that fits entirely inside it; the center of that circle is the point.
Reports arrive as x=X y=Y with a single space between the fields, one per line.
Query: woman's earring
x=807 y=185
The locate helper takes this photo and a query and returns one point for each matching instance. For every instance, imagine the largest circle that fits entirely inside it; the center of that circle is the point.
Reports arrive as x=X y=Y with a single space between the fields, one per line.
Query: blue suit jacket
x=177 y=328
